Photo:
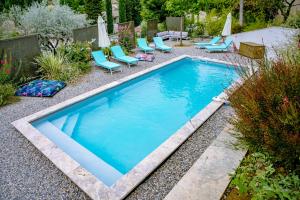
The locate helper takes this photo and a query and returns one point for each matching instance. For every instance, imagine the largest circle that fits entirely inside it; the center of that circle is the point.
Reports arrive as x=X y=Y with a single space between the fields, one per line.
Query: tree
x=53 y=27
x=6 y=4
x=154 y=9
x=77 y=5
x=285 y=7
x=93 y=9
x=122 y=11
x=110 y=23
x=133 y=11
x=137 y=18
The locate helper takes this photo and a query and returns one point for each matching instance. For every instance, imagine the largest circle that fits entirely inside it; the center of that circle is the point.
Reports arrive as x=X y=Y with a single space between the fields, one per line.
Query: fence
x=151 y=28
x=87 y=34
x=174 y=23
x=23 y=50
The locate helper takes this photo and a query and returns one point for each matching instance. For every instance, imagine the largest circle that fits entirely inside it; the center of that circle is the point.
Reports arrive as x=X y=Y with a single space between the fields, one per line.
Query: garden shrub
x=78 y=54
x=267 y=108
x=294 y=20
x=214 y=24
x=258 y=178
x=7 y=92
x=255 y=25
x=4 y=77
x=143 y=28
x=161 y=27
x=56 y=67
x=200 y=29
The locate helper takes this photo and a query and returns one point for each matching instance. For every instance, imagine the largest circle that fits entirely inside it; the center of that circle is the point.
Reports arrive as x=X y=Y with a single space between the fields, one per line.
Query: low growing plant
x=294 y=20
x=214 y=23
x=258 y=178
x=267 y=108
x=7 y=92
x=56 y=67
x=78 y=54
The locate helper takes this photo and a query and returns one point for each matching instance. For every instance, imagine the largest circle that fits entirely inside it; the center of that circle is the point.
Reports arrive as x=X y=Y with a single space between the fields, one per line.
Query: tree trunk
x=285 y=11
x=181 y=27
x=241 y=12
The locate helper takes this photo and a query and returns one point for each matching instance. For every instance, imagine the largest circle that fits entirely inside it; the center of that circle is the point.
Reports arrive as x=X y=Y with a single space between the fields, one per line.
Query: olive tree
x=54 y=24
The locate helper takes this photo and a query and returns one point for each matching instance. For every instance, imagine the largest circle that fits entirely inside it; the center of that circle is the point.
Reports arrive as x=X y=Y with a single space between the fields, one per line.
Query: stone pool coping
x=209 y=176
x=87 y=181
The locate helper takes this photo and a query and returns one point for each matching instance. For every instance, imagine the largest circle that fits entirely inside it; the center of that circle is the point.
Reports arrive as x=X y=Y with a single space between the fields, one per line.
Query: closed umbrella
x=227 y=28
x=102 y=34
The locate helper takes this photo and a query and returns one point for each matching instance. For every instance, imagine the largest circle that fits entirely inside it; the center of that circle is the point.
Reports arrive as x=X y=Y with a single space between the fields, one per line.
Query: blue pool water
x=111 y=132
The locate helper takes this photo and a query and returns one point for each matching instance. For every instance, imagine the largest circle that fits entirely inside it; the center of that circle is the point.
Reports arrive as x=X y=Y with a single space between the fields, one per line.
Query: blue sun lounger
x=159 y=44
x=119 y=55
x=220 y=48
x=142 y=45
x=202 y=45
x=101 y=61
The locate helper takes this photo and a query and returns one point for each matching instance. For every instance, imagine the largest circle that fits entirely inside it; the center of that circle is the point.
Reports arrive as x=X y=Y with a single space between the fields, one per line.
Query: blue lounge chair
x=101 y=61
x=220 y=48
x=202 y=45
x=142 y=45
x=119 y=55
x=159 y=44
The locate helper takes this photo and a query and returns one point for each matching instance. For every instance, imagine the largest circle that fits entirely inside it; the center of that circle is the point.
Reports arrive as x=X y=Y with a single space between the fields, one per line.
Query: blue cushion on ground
x=40 y=88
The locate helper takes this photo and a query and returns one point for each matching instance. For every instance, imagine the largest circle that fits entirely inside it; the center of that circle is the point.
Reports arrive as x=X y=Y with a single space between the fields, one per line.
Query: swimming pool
x=111 y=132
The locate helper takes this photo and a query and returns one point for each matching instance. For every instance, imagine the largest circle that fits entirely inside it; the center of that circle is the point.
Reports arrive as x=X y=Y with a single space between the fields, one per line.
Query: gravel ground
x=26 y=174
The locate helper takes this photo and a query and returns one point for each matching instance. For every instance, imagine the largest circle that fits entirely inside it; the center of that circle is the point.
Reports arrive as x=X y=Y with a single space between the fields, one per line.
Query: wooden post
x=181 y=27
x=241 y=12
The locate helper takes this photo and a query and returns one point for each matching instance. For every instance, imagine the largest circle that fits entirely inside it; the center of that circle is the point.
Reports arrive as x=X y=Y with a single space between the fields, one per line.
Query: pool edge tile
x=209 y=176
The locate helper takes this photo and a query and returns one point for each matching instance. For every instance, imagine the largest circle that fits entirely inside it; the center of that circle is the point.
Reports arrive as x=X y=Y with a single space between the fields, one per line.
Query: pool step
x=85 y=158
x=208 y=178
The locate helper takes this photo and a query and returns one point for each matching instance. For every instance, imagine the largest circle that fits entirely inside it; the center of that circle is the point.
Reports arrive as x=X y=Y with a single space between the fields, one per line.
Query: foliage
x=7 y=92
x=285 y=7
x=214 y=23
x=219 y=5
x=9 y=71
x=9 y=20
x=268 y=110
x=258 y=177
x=54 y=25
x=7 y=4
x=93 y=8
x=154 y=9
x=179 y=7
x=133 y=9
x=77 y=5
x=109 y=17
x=107 y=51
x=126 y=39
x=122 y=11
x=255 y=26
x=144 y=28
x=161 y=27
x=56 y=67
x=294 y=20
x=78 y=55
